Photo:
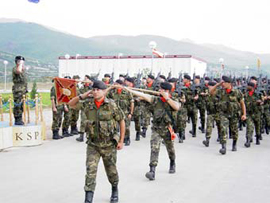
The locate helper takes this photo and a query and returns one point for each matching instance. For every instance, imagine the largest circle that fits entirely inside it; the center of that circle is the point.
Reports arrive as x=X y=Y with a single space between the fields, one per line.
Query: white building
x=90 y=65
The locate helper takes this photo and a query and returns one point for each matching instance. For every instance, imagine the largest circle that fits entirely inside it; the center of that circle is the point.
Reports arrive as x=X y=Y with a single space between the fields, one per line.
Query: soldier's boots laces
x=56 y=135
x=144 y=132
x=18 y=121
x=74 y=130
x=65 y=133
x=114 y=196
x=89 y=197
x=258 y=140
x=80 y=138
x=172 y=166
x=206 y=142
x=151 y=174
x=137 y=136
x=247 y=144
x=234 y=148
x=223 y=149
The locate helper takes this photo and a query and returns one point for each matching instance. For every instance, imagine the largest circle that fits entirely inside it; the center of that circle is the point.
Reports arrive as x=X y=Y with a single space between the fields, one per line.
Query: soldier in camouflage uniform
x=232 y=106
x=67 y=117
x=125 y=101
x=75 y=113
x=162 y=108
x=266 y=107
x=254 y=102
x=213 y=114
x=192 y=95
x=19 y=88
x=102 y=139
x=82 y=105
x=181 y=115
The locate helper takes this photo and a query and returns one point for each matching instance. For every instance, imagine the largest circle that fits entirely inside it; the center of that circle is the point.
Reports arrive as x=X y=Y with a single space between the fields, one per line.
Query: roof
x=130 y=57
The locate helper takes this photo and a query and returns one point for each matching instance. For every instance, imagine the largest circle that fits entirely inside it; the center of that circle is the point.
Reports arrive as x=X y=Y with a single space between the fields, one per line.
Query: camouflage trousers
x=127 y=125
x=226 y=123
x=265 y=118
x=211 y=118
x=137 y=118
x=181 y=121
x=109 y=157
x=145 y=115
x=192 y=112
x=74 y=117
x=18 y=103
x=58 y=116
x=202 y=110
x=253 y=120
x=83 y=120
x=156 y=137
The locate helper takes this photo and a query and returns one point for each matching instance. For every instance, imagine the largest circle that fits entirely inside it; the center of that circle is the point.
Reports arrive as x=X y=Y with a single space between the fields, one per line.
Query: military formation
x=161 y=104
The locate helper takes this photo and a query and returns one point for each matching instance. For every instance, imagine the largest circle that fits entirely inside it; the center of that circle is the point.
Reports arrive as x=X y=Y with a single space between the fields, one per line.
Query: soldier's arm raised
x=72 y=103
x=174 y=104
x=213 y=90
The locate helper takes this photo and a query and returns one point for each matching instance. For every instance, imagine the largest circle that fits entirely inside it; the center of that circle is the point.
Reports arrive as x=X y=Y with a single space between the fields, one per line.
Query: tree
x=34 y=90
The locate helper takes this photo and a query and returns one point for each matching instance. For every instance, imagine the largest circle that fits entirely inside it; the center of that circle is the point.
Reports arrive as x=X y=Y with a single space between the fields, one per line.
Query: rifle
x=112 y=78
x=169 y=74
x=179 y=84
x=156 y=83
x=260 y=88
x=138 y=80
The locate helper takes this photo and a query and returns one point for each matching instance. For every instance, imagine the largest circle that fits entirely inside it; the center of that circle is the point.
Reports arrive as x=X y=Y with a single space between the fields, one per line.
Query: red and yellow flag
x=65 y=89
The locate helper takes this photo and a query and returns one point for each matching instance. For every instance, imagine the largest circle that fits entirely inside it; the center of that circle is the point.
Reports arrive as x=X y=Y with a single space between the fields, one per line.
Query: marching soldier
x=102 y=139
x=125 y=101
x=254 y=102
x=232 y=106
x=75 y=113
x=19 y=88
x=162 y=108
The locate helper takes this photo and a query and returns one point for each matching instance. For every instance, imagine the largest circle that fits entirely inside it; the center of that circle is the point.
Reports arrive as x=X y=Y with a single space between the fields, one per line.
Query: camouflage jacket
x=211 y=102
x=123 y=99
x=190 y=93
x=19 y=80
x=252 y=106
x=229 y=103
x=101 y=123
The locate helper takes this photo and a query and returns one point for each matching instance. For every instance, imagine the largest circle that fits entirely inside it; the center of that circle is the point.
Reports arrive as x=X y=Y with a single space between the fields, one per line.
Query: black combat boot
x=234 y=148
x=240 y=125
x=206 y=142
x=258 y=139
x=223 y=149
x=144 y=132
x=114 y=196
x=18 y=121
x=80 y=138
x=137 y=136
x=183 y=134
x=151 y=174
x=247 y=144
x=89 y=197
x=172 y=166
x=179 y=135
x=127 y=141
x=65 y=133
x=56 y=135
x=193 y=131
x=74 y=130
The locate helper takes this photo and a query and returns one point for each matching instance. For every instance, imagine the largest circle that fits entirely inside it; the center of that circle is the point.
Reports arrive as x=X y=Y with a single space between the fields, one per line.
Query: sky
x=239 y=24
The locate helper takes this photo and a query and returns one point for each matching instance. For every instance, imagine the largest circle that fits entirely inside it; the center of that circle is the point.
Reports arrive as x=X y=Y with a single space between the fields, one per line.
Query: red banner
x=65 y=90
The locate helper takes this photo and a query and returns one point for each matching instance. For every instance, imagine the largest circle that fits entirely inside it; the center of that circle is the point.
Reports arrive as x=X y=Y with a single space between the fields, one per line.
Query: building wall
x=130 y=65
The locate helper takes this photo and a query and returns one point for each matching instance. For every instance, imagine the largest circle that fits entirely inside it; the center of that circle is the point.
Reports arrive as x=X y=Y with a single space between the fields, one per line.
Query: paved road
x=54 y=173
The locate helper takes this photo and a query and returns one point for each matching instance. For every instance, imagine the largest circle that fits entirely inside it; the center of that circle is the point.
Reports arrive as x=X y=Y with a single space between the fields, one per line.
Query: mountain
x=44 y=44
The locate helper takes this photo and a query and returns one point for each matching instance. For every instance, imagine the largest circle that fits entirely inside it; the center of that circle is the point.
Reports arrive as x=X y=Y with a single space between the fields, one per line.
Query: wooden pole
x=10 y=111
x=146 y=91
x=24 y=110
x=1 y=108
x=28 y=109
x=40 y=108
x=36 y=108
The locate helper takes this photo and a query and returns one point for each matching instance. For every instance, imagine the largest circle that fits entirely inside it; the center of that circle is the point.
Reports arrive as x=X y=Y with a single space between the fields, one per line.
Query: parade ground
x=54 y=172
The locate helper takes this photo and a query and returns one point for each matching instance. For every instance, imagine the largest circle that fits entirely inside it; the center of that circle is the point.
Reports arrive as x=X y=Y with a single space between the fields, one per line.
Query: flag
x=157 y=53
x=65 y=89
x=34 y=1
